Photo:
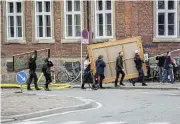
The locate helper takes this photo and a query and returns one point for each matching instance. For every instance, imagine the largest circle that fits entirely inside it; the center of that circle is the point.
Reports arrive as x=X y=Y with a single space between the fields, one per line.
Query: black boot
x=144 y=84
x=38 y=88
x=121 y=84
x=133 y=83
x=29 y=89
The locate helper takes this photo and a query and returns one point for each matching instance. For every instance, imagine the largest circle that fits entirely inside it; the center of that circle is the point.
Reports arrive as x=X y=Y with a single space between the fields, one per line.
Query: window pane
x=161 y=18
x=160 y=4
x=109 y=30
x=161 y=30
x=108 y=5
x=40 y=32
x=170 y=29
x=11 y=31
x=11 y=20
x=78 y=30
x=40 y=20
x=108 y=18
x=76 y=5
x=69 y=30
x=48 y=21
x=77 y=19
x=39 y=6
x=100 y=24
x=18 y=21
x=19 y=31
x=179 y=28
x=69 y=20
x=18 y=5
x=170 y=18
x=170 y=4
x=10 y=7
x=69 y=5
x=100 y=19
x=99 y=5
x=108 y=25
x=48 y=31
x=47 y=6
x=69 y=25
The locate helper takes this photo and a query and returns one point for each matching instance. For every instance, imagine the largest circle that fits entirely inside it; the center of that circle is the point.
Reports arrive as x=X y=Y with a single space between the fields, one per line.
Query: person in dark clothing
x=168 y=68
x=87 y=73
x=119 y=69
x=100 y=65
x=32 y=72
x=46 y=69
x=161 y=60
x=138 y=61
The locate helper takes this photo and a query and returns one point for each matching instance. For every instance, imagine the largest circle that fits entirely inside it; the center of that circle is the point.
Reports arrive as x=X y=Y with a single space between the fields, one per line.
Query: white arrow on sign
x=23 y=78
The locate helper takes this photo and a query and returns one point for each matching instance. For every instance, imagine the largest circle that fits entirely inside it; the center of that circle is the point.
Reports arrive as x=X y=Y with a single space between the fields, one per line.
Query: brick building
x=30 y=25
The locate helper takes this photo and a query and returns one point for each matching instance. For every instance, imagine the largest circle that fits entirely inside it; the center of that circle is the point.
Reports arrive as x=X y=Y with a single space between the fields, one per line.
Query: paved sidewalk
x=128 y=85
x=14 y=104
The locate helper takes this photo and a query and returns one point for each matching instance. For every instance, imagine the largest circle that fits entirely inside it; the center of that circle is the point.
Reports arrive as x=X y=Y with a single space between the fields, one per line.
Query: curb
x=58 y=86
x=137 y=87
x=85 y=105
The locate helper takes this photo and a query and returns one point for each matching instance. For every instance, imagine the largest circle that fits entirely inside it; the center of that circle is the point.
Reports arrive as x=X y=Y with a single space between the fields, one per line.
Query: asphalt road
x=117 y=106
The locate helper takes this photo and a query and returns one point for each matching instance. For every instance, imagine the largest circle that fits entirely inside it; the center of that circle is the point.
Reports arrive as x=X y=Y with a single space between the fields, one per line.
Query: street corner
x=18 y=109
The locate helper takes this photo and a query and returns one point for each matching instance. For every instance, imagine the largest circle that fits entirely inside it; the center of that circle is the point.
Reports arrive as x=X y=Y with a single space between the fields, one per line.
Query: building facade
x=32 y=25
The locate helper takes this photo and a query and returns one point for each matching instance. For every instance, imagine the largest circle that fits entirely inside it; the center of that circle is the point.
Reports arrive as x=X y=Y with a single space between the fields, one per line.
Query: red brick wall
x=136 y=19
x=57 y=49
x=132 y=19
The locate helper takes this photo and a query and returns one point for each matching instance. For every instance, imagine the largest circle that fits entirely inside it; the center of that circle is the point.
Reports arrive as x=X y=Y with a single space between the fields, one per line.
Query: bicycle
x=156 y=75
x=71 y=73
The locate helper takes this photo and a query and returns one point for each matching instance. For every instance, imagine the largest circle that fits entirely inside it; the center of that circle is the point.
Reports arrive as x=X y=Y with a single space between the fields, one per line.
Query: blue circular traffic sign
x=21 y=77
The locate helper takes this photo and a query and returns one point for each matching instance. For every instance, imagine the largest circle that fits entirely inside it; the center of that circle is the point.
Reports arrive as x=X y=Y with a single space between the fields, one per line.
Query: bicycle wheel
x=94 y=85
x=155 y=76
x=62 y=77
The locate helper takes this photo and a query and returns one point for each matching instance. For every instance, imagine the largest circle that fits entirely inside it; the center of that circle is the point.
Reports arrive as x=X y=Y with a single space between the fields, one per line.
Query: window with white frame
x=14 y=20
x=73 y=19
x=103 y=18
x=179 y=17
x=43 y=19
x=167 y=19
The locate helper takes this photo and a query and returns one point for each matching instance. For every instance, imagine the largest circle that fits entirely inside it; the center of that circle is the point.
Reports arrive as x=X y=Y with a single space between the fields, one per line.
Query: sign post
x=84 y=40
x=21 y=78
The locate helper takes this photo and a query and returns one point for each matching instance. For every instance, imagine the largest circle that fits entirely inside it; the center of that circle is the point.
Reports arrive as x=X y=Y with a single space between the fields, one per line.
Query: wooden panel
x=130 y=66
x=110 y=52
x=107 y=71
x=100 y=51
x=129 y=49
x=114 y=52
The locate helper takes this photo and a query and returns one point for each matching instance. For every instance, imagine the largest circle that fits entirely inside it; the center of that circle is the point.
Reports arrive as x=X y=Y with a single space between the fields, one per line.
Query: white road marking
x=72 y=122
x=120 y=122
x=31 y=122
x=99 y=105
x=158 y=123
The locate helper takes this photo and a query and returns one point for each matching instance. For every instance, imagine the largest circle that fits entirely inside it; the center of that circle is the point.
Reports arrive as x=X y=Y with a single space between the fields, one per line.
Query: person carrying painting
x=46 y=69
x=138 y=62
x=100 y=65
x=119 y=69
x=32 y=72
